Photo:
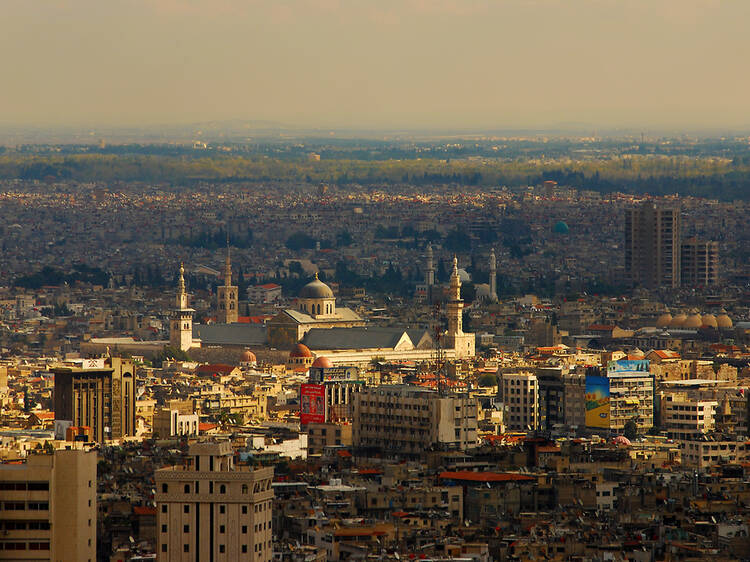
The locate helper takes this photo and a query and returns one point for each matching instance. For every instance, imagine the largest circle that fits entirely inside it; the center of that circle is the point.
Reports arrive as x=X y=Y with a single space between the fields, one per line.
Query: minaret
x=181 y=325
x=455 y=305
x=226 y=295
x=429 y=278
x=493 y=276
x=463 y=344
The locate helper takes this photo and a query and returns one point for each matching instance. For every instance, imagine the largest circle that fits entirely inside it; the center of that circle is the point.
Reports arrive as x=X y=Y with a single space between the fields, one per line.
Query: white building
x=521 y=401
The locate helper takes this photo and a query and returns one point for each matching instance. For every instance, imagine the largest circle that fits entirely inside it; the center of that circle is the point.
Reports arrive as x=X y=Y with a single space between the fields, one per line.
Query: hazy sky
x=377 y=63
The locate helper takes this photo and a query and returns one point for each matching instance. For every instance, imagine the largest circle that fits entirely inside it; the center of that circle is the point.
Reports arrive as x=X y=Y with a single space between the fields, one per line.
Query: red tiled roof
x=144 y=510
x=470 y=476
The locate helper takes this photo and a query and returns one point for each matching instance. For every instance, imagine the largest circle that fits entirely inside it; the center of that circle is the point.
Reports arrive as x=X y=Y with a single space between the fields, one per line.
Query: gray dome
x=316 y=289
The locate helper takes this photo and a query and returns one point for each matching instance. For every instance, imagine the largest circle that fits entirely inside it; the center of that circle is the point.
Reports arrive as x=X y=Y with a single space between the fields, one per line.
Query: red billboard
x=312 y=404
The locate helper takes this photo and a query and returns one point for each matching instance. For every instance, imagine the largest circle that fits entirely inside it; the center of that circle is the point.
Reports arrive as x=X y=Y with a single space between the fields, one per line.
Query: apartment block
x=212 y=509
x=699 y=263
x=521 y=401
x=652 y=245
x=408 y=420
x=48 y=507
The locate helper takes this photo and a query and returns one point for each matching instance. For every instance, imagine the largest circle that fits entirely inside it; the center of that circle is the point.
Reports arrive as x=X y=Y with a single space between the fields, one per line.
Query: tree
x=300 y=240
x=630 y=430
x=487 y=380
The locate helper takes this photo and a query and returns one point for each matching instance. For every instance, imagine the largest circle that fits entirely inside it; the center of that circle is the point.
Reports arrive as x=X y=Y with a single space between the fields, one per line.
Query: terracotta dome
x=693 y=321
x=300 y=350
x=322 y=362
x=316 y=289
x=723 y=321
x=678 y=321
x=664 y=320
x=248 y=357
x=709 y=321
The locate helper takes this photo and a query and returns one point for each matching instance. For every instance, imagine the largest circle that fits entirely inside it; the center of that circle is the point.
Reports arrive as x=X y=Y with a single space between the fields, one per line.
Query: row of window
x=258 y=487
x=25 y=525
x=24 y=486
x=222 y=548
x=24 y=546
x=222 y=508
x=22 y=506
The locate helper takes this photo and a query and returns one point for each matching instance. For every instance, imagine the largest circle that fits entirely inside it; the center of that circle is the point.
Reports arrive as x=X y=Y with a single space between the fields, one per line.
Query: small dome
x=300 y=350
x=678 y=321
x=248 y=357
x=316 y=289
x=664 y=320
x=621 y=440
x=709 y=321
x=322 y=362
x=723 y=321
x=693 y=321
x=561 y=228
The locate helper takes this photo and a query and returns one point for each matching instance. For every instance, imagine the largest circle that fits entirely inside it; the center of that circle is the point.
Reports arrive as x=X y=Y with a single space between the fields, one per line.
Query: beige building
x=631 y=398
x=170 y=423
x=322 y=435
x=704 y=453
x=48 y=507
x=409 y=420
x=521 y=401
x=210 y=509
x=687 y=419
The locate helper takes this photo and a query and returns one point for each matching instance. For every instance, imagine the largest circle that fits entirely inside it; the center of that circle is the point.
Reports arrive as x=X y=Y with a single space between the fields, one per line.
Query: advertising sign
x=312 y=404
x=597 y=402
x=628 y=366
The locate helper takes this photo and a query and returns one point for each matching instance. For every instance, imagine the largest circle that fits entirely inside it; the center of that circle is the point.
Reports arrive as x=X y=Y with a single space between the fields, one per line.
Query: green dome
x=561 y=228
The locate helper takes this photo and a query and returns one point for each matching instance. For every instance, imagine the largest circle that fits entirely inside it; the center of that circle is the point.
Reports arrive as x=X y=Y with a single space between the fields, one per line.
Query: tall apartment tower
x=97 y=393
x=652 y=245
x=699 y=263
x=226 y=296
x=521 y=400
x=181 y=324
x=48 y=507
x=211 y=509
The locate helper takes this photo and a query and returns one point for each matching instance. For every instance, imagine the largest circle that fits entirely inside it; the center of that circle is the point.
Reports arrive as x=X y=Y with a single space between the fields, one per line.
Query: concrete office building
x=98 y=393
x=48 y=507
x=211 y=509
x=652 y=245
x=409 y=420
x=521 y=401
x=699 y=263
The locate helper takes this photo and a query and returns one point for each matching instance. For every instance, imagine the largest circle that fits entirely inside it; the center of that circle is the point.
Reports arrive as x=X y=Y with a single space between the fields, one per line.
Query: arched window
x=244 y=488
x=318 y=309
x=222 y=489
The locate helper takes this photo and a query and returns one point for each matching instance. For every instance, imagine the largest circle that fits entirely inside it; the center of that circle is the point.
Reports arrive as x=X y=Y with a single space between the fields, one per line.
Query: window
x=244 y=510
x=164 y=488
x=186 y=528
x=185 y=548
x=164 y=548
x=222 y=509
x=222 y=529
x=186 y=508
x=244 y=529
x=164 y=509
x=163 y=528
x=222 y=489
x=221 y=548
x=244 y=489
x=187 y=488
x=244 y=549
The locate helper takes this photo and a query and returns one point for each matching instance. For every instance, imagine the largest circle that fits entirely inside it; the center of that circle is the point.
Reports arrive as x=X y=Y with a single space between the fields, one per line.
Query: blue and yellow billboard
x=597 y=402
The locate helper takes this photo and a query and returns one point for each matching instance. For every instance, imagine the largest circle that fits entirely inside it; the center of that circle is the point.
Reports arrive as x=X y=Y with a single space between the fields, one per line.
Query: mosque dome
x=693 y=321
x=561 y=227
x=300 y=350
x=248 y=357
x=723 y=321
x=664 y=320
x=709 y=321
x=678 y=321
x=322 y=362
x=316 y=289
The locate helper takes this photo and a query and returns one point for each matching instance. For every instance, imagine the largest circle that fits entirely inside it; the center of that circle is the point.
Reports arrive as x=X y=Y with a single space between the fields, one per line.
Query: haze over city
x=677 y=65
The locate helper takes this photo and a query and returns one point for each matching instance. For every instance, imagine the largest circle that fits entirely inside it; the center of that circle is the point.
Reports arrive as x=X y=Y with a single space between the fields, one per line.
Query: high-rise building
x=48 y=507
x=521 y=401
x=96 y=393
x=652 y=245
x=699 y=263
x=181 y=324
x=226 y=296
x=408 y=420
x=212 y=509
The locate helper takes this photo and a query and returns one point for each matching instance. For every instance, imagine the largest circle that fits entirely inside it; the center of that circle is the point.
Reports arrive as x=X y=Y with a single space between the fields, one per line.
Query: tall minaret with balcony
x=462 y=343
x=493 y=276
x=181 y=324
x=226 y=296
x=429 y=277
